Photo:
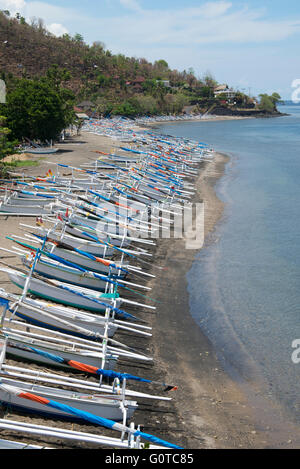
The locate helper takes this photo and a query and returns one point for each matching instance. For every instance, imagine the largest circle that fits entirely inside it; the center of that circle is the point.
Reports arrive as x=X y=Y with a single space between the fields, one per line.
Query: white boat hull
x=104 y=407
x=93 y=323
x=58 y=295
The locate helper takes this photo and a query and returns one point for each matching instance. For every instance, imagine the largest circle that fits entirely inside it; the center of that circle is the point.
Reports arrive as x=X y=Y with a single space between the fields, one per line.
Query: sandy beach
x=208 y=410
x=211 y=118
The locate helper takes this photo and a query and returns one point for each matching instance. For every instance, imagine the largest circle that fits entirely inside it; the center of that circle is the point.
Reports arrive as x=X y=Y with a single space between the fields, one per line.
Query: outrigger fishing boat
x=65 y=392
x=63 y=434
x=92 y=236
x=64 y=293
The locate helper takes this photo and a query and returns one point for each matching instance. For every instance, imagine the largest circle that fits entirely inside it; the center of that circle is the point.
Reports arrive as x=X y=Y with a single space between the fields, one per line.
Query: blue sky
x=247 y=44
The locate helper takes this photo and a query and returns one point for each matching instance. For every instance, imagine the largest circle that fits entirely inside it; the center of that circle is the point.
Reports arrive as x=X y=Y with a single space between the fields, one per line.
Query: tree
x=174 y=103
x=104 y=107
x=66 y=37
x=162 y=65
x=6 y=147
x=276 y=98
x=144 y=104
x=78 y=38
x=209 y=80
x=56 y=76
x=126 y=108
x=205 y=92
x=38 y=111
x=99 y=46
x=269 y=103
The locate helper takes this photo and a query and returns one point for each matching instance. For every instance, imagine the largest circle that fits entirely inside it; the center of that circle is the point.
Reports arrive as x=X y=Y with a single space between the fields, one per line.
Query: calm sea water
x=245 y=291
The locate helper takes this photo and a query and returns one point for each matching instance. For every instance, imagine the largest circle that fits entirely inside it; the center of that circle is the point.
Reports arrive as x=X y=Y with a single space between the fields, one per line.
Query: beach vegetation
x=7 y=146
x=269 y=103
x=39 y=109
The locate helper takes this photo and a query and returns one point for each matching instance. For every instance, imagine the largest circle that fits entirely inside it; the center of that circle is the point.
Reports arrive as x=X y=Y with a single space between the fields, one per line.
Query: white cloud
x=13 y=6
x=38 y=9
x=57 y=29
x=214 y=22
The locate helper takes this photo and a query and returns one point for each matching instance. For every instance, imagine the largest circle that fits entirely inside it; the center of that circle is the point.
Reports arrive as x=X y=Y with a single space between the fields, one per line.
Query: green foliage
x=269 y=103
x=146 y=105
x=22 y=164
x=103 y=107
x=206 y=92
x=67 y=37
x=78 y=38
x=174 y=103
x=276 y=98
x=103 y=80
x=126 y=108
x=38 y=109
x=209 y=80
x=56 y=76
x=92 y=72
x=161 y=65
x=6 y=146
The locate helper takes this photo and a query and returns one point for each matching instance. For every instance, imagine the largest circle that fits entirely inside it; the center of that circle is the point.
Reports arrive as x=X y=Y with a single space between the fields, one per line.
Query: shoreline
x=205 y=119
x=212 y=118
x=212 y=412
x=209 y=410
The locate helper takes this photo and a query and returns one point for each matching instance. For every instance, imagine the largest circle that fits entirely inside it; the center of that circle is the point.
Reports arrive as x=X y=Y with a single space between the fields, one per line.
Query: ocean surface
x=244 y=285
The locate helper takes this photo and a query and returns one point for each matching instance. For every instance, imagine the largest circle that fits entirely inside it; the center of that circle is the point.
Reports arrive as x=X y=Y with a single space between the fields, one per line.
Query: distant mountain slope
x=29 y=50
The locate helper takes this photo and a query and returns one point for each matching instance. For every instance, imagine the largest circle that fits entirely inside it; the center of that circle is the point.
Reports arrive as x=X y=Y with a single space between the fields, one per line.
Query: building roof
x=221 y=87
x=82 y=115
x=139 y=80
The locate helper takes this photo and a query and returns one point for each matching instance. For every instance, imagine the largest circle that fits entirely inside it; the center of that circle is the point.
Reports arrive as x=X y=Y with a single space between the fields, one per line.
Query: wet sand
x=211 y=410
x=208 y=410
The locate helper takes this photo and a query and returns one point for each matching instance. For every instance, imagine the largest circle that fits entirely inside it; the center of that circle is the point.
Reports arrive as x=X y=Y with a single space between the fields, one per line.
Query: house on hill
x=80 y=113
x=137 y=83
x=165 y=83
x=229 y=93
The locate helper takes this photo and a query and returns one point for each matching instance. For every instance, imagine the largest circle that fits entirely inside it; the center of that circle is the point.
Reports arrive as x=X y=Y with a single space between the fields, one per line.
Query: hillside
x=115 y=84
x=29 y=50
